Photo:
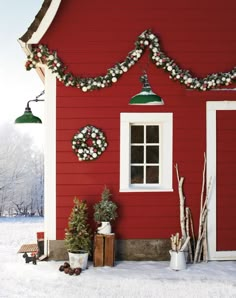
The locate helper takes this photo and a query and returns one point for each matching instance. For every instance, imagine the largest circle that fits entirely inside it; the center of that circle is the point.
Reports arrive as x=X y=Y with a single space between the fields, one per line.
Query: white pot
x=177 y=260
x=78 y=260
x=105 y=228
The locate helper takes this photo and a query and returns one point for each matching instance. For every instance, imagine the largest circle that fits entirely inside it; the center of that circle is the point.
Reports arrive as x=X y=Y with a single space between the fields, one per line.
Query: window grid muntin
x=145 y=144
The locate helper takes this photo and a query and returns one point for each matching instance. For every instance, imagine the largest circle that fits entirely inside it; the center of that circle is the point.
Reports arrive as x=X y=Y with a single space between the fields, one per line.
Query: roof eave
x=38 y=28
x=41 y=23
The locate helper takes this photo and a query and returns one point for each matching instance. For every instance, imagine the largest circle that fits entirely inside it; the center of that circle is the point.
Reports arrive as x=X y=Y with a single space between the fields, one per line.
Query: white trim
x=45 y=22
x=50 y=156
x=27 y=49
x=211 y=109
x=50 y=128
x=166 y=122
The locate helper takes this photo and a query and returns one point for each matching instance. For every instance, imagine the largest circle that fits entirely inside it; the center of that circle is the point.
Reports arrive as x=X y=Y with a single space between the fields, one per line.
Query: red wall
x=91 y=36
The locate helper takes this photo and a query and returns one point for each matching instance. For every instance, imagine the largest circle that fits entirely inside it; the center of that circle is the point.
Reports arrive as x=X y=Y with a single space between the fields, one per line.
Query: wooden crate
x=104 y=250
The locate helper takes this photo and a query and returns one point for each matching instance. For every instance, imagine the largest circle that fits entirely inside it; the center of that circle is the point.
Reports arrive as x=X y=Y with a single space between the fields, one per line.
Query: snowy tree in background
x=21 y=174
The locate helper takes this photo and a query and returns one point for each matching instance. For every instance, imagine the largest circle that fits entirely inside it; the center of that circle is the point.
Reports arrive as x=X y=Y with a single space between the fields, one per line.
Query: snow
x=126 y=279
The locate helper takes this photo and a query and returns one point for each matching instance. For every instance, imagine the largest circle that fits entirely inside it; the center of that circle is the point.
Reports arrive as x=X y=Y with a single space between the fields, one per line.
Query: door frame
x=211 y=141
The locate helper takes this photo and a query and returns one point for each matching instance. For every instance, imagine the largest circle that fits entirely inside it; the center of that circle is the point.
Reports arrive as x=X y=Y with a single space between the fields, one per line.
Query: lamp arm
x=40 y=94
x=35 y=100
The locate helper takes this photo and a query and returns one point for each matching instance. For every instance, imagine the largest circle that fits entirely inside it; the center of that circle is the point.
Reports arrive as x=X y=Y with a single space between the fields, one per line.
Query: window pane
x=152 y=154
x=136 y=174
x=136 y=154
x=152 y=134
x=152 y=175
x=137 y=134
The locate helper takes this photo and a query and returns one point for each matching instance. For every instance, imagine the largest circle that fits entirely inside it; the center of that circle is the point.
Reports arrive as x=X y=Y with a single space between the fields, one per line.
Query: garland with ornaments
x=41 y=54
x=89 y=143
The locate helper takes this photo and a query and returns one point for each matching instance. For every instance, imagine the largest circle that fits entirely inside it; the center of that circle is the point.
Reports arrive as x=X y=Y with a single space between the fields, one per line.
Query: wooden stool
x=104 y=250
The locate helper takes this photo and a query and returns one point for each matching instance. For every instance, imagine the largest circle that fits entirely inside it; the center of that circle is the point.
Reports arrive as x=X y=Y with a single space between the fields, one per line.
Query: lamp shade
x=146 y=96
x=28 y=117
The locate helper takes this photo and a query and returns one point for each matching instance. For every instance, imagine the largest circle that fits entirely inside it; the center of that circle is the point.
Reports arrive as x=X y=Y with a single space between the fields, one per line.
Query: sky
x=17 y=85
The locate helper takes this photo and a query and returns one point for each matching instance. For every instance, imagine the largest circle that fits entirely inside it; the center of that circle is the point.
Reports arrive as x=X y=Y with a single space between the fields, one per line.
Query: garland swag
x=41 y=54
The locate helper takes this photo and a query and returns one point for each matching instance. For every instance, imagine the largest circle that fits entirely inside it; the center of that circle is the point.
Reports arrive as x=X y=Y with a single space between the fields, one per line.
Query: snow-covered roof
x=38 y=27
x=41 y=22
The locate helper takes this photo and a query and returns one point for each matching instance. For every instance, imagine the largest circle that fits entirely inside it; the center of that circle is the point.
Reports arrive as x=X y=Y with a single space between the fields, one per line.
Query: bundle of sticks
x=177 y=243
x=198 y=250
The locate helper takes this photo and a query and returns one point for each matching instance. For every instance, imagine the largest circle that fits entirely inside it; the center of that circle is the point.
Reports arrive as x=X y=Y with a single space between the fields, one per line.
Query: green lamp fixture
x=146 y=96
x=28 y=116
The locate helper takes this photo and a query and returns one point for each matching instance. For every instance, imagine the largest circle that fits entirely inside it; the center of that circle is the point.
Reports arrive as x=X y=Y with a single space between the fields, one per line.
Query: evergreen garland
x=78 y=234
x=42 y=55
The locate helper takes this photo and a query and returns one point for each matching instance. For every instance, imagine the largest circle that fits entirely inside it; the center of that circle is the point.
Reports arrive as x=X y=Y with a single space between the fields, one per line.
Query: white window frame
x=165 y=122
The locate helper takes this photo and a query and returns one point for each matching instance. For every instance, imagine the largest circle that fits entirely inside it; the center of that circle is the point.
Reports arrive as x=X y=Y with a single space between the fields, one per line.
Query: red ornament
x=89 y=142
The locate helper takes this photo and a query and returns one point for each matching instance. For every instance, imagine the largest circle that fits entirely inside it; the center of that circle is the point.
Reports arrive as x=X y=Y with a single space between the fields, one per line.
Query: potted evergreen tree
x=78 y=235
x=105 y=212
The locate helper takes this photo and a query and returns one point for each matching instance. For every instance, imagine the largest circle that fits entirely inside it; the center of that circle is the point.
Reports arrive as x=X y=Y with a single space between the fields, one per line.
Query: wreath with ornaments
x=41 y=54
x=89 y=143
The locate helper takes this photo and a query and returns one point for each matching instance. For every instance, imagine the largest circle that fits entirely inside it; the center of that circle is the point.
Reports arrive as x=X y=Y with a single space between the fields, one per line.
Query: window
x=146 y=152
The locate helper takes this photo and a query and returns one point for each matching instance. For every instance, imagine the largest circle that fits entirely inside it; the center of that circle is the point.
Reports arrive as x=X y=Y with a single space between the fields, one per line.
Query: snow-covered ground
x=126 y=279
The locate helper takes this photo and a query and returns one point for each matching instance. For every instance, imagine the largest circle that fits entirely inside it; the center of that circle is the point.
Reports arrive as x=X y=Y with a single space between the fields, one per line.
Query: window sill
x=146 y=189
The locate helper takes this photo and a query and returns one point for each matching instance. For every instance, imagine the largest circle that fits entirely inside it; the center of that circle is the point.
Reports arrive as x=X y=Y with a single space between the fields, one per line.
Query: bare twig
x=181 y=203
x=188 y=218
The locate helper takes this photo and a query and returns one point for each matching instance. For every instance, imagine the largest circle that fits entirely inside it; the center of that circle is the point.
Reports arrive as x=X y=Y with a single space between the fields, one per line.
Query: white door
x=221 y=171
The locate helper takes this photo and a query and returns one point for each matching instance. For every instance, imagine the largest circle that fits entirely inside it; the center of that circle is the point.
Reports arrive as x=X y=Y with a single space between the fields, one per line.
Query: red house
x=91 y=55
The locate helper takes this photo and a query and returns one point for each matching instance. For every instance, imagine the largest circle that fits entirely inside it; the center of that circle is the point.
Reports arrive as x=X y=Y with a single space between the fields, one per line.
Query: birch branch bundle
x=189 y=222
x=176 y=242
x=185 y=244
x=197 y=249
x=201 y=246
x=205 y=246
x=181 y=203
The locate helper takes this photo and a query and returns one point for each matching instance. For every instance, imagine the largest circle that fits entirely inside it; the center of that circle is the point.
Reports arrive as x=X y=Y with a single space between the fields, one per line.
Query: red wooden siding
x=226 y=176
x=91 y=36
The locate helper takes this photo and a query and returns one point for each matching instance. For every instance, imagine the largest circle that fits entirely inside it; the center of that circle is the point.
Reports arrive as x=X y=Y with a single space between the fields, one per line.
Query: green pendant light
x=28 y=116
x=146 y=96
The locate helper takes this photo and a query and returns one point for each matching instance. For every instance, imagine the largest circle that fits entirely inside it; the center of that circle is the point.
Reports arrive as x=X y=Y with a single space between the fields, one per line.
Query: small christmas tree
x=78 y=233
x=105 y=210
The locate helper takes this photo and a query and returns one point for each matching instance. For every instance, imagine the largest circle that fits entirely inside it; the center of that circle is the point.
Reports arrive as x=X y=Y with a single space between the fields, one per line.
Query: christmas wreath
x=89 y=143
